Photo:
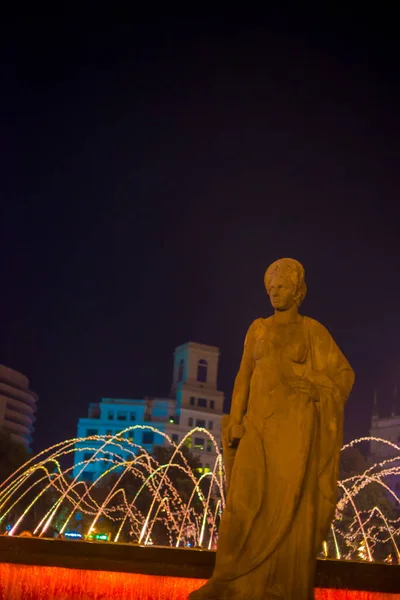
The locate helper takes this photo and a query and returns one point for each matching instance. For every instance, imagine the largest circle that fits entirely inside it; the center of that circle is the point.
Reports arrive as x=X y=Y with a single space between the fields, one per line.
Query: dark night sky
x=152 y=170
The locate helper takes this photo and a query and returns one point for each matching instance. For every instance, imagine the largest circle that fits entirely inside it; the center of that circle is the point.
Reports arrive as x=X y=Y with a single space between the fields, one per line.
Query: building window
x=91 y=432
x=87 y=456
x=109 y=432
x=110 y=415
x=148 y=437
x=199 y=443
x=175 y=438
x=202 y=402
x=192 y=399
x=122 y=415
x=202 y=371
x=212 y=404
x=130 y=435
x=132 y=416
x=88 y=476
x=180 y=370
x=200 y=423
x=210 y=425
x=190 y=421
x=209 y=446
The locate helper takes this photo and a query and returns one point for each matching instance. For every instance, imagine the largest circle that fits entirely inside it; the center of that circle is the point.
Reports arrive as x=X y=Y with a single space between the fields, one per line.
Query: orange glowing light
x=21 y=582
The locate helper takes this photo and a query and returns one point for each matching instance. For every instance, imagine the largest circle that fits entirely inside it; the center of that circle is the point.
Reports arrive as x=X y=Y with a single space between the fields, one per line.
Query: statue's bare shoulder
x=264 y=322
x=259 y=327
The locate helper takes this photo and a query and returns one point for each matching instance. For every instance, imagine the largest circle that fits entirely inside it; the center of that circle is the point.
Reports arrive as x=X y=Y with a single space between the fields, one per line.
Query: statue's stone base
x=192 y=567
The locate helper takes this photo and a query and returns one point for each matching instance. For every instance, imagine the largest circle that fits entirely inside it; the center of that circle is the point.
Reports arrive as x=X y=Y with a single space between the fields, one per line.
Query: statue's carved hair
x=294 y=270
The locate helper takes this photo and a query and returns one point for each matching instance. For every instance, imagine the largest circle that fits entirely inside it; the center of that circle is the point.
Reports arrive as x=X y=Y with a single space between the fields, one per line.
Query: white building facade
x=17 y=406
x=199 y=403
x=386 y=428
x=195 y=401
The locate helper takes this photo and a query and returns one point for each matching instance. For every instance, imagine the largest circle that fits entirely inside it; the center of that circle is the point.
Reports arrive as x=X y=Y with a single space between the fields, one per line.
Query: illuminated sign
x=104 y=537
x=73 y=535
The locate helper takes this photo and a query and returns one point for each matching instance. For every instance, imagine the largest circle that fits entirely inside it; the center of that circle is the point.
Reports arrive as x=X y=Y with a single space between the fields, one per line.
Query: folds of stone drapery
x=266 y=487
x=334 y=378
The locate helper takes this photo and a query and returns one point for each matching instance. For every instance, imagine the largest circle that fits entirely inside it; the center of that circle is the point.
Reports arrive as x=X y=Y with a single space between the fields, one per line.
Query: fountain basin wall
x=32 y=568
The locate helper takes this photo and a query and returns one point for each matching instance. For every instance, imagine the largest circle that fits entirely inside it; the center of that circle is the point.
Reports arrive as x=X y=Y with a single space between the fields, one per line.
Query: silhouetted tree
x=12 y=454
x=353 y=462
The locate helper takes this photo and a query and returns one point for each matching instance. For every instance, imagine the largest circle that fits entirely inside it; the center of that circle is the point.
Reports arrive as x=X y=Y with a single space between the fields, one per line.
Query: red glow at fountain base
x=23 y=582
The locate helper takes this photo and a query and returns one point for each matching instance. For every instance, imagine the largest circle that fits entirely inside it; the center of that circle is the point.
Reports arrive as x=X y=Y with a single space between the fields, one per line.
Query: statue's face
x=282 y=292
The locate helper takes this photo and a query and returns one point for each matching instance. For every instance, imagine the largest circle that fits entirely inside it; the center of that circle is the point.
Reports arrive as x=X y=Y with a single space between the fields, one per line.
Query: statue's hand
x=305 y=386
x=321 y=380
x=236 y=432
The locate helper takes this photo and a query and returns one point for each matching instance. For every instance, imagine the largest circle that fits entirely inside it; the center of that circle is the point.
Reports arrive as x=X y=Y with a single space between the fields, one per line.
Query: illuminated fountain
x=361 y=528
x=141 y=500
x=135 y=498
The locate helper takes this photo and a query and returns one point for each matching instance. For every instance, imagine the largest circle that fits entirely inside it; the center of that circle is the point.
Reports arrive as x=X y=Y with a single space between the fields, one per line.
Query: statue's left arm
x=331 y=370
x=241 y=387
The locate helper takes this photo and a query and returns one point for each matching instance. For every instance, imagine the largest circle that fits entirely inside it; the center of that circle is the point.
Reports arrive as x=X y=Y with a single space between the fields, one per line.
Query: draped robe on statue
x=282 y=488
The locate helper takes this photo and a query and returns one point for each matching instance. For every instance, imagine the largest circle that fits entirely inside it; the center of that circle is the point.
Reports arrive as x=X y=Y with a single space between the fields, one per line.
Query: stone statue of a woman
x=287 y=410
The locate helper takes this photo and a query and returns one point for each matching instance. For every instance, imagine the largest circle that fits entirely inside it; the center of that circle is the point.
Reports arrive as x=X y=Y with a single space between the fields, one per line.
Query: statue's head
x=284 y=282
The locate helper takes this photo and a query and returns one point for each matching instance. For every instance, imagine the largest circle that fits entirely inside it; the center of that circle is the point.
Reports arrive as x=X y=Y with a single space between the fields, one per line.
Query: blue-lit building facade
x=194 y=401
x=112 y=416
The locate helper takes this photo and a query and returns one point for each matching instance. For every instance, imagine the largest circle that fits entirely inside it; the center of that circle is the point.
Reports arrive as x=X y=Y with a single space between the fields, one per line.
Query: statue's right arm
x=241 y=387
